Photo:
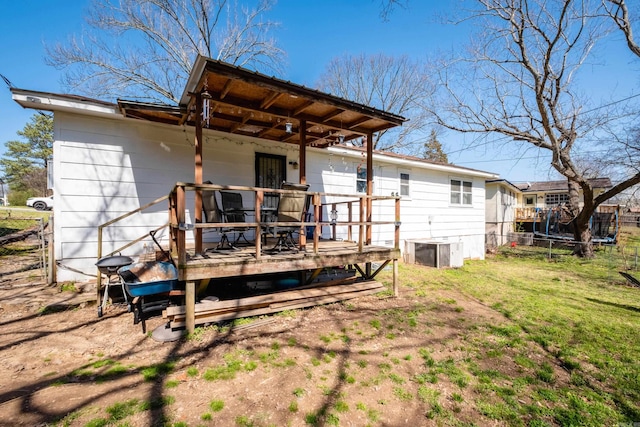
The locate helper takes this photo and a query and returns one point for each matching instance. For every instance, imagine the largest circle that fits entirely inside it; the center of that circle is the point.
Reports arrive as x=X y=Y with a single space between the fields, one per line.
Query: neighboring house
x=549 y=194
x=106 y=164
x=502 y=200
x=516 y=207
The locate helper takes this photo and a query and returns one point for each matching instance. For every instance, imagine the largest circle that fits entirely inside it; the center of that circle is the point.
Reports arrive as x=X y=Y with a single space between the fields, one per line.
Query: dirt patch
x=412 y=360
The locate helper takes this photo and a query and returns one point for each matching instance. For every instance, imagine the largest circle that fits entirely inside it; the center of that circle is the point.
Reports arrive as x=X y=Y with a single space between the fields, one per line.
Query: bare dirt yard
x=377 y=360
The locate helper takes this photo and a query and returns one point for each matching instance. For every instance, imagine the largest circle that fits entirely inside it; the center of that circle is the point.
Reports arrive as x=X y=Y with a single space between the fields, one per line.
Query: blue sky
x=312 y=32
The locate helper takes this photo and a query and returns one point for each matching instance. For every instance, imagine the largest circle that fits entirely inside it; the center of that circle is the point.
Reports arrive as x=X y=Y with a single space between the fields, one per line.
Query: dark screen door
x=271 y=171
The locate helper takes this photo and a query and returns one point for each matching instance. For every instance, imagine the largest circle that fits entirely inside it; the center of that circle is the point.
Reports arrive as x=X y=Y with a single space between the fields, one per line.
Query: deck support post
x=190 y=305
x=197 y=209
x=302 y=156
x=369 y=193
x=395 y=278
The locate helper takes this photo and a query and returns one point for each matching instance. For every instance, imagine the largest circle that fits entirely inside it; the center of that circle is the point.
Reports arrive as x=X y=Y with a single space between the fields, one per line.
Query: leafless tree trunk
x=518 y=82
x=395 y=84
x=144 y=49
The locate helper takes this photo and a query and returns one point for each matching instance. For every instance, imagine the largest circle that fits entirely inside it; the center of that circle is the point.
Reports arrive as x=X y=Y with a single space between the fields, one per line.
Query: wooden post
x=369 y=193
x=350 y=219
x=316 y=217
x=99 y=275
x=302 y=237
x=198 y=174
x=395 y=278
x=369 y=184
x=333 y=226
x=258 y=238
x=173 y=220
x=396 y=234
x=361 y=225
x=190 y=305
x=181 y=241
x=303 y=152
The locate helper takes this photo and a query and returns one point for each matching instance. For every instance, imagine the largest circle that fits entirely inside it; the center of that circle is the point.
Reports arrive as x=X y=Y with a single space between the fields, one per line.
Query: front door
x=271 y=171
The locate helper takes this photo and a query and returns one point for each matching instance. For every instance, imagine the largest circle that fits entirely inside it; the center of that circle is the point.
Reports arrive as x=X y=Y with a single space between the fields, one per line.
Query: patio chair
x=212 y=214
x=291 y=208
x=234 y=211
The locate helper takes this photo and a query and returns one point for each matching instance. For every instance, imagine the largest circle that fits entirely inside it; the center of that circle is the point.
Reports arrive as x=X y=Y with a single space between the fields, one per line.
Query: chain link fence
x=620 y=261
x=23 y=246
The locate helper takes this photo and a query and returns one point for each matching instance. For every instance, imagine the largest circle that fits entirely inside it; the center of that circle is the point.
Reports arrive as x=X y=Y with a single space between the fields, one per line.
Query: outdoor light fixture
x=288 y=127
x=206 y=105
x=334 y=216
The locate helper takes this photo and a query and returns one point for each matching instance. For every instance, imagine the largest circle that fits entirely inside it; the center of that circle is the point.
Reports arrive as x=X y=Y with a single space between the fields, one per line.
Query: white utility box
x=433 y=253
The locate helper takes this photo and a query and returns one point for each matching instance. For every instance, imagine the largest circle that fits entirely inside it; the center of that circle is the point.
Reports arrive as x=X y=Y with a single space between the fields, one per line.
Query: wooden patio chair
x=292 y=207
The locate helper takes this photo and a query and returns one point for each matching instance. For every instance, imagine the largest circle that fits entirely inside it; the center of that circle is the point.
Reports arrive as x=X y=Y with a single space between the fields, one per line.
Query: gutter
x=412 y=163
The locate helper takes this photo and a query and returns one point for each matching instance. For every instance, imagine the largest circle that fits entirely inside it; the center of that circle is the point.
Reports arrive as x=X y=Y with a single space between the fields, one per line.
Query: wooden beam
x=303 y=152
x=395 y=278
x=270 y=100
x=198 y=173
x=369 y=193
x=227 y=87
x=369 y=183
x=302 y=237
x=190 y=306
x=303 y=107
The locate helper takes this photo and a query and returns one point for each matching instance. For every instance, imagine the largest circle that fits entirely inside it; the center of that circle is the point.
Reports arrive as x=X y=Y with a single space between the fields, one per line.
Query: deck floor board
x=242 y=262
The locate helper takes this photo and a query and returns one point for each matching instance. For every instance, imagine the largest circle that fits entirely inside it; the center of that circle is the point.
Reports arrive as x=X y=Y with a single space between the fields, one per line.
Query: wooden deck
x=243 y=262
x=199 y=264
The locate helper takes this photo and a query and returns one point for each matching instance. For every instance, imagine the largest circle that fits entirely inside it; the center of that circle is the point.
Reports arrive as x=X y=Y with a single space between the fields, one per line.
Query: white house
x=106 y=162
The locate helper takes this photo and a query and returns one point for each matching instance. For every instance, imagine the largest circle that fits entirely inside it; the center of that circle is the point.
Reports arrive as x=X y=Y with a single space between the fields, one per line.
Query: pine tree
x=433 y=149
x=25 y=161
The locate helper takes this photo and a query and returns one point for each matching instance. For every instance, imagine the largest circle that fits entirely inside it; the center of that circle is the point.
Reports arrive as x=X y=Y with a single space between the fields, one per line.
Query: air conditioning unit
x=433 y=254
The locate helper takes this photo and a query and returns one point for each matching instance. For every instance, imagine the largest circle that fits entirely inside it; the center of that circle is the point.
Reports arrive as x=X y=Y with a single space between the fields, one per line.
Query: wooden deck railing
x=179 y=225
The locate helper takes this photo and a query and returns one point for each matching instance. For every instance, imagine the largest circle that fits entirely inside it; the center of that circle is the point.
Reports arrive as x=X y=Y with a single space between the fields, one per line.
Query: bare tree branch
x=395 y=84
x=145 y=49
x=519 y=81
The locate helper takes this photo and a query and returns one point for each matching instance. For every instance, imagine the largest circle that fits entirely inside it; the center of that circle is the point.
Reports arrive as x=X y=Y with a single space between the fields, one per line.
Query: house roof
x=551 y=186
x=249 y=103
x=420 y=162
x=505 y=182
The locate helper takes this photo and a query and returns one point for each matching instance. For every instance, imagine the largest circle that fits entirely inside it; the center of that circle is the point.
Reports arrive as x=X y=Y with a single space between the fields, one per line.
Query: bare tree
x=518 y=81
x=145 y=49
x=395 y=84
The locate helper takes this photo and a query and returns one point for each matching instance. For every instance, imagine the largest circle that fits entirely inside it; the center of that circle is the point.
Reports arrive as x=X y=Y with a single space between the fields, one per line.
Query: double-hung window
x=461 y=193
x=404 y=184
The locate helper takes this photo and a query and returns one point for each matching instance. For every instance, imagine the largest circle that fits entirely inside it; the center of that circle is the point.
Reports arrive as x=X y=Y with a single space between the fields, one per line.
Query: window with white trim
x=556 y=199
x=404 y=184
x=461 y=193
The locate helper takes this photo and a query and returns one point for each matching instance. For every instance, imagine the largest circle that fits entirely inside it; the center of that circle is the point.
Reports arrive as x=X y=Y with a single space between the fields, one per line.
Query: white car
x=40 y=203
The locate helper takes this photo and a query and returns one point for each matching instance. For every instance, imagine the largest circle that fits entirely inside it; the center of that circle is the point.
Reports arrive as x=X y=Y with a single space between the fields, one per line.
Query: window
x=556 y=199
x=361 y=179
x=404 y=184
x=530 y=201
x=461 y=192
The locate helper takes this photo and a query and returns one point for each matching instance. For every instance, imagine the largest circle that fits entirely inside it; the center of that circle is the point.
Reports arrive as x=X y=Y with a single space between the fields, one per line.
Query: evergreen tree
x=25 y=161
x=433 y=149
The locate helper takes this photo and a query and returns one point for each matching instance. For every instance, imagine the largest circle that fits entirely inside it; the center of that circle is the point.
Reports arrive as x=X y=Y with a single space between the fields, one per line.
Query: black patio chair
x=213 y=215
x=234 y=211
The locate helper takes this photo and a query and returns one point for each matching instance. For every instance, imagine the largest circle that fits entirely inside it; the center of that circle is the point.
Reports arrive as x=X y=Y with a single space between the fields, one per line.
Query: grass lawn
x=581 y=315
x=514 y=340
